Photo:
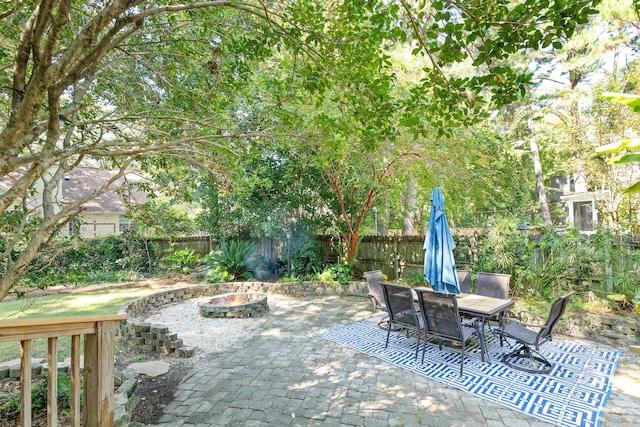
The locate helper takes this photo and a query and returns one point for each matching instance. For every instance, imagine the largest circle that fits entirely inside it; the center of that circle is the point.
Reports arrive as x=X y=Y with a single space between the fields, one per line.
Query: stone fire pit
x=236 y=305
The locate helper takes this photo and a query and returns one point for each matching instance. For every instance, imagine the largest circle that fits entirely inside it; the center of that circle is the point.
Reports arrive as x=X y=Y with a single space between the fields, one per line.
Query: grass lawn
x=104 y=302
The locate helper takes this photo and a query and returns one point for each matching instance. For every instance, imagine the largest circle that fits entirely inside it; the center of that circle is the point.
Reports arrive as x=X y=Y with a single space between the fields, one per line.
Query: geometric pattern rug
x=573 y=394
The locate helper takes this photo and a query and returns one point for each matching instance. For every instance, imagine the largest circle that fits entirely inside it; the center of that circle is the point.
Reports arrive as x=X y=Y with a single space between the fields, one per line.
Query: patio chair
x=464 y=279
x=402 y=311
x=526 y=338
x=374 y=278
x=494 y=285
x=442 y=319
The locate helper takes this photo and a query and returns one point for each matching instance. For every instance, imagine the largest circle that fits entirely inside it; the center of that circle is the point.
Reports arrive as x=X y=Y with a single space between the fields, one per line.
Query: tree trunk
x=537 y=167
x=409 y=218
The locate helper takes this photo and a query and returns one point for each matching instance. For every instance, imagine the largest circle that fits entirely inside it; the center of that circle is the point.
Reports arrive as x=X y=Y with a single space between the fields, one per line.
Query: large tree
x=118 y=81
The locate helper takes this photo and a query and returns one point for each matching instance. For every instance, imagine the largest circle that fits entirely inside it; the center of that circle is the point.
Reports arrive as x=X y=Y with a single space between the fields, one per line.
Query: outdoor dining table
x=482 y=307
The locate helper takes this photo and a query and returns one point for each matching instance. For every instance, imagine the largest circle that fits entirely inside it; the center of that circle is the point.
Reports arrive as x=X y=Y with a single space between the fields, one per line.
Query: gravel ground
x=205 y=334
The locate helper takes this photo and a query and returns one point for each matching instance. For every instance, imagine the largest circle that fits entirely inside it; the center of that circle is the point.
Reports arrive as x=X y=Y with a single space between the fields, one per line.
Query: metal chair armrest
x=531 y=313
x=473 y=322
x=521 y=323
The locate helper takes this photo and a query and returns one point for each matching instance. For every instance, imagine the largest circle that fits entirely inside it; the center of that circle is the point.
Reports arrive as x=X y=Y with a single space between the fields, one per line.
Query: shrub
x=217 y=275
x=341 y=273
x=74 y=260
x=306 y=256
x=11 y=409
x=237 y=258
x=184 y=259
x=413 y=280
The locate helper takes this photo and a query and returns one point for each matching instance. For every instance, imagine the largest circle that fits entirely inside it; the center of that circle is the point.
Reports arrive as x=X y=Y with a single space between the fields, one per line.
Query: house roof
x=82 y=181
x=7 y=181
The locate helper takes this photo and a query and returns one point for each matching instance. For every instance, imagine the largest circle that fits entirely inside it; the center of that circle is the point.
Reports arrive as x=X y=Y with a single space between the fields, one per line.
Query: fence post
x=396 y=258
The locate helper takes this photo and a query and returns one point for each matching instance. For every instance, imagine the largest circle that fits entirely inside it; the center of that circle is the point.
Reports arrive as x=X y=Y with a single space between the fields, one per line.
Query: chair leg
x=539 y=364
x=386 y=344
x=484 y=352
x=462 y=359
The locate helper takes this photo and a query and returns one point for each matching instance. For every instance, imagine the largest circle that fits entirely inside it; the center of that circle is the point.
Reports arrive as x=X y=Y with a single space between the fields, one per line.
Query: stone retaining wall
x=615 y=330
x=158 y=338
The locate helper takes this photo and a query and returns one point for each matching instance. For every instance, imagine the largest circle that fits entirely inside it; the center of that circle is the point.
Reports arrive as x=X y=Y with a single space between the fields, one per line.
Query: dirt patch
x=155 y=392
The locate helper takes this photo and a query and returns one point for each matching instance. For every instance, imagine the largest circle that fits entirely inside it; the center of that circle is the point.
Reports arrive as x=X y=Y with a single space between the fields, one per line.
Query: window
x=583 y=215
x=126 y=225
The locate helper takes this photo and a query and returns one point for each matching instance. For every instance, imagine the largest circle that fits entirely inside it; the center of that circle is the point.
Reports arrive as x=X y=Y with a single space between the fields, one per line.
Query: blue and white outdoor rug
x=573 y=394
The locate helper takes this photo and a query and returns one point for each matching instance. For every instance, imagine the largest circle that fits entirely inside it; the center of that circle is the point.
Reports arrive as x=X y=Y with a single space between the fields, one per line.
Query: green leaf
x=633 y=143
x=614 y=147
x=627 y=158
x=627 y=99
x=635 y=188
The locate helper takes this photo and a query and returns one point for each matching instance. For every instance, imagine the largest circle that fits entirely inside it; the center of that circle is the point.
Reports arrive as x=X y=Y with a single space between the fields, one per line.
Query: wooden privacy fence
x=99 y=340
x=397 y=256
x=200 y=244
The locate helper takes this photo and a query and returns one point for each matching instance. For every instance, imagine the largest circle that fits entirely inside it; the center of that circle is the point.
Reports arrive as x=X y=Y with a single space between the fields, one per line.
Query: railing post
x=98 y=376
x=25 y=382
x=75 y=381
x=52 y=382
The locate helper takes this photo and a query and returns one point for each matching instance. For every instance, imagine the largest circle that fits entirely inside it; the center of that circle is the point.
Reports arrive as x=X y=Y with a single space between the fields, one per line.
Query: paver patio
x=282 y=374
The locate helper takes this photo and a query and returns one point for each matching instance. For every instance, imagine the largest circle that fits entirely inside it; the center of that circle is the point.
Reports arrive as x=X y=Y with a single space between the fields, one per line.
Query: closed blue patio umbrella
x=439 y=264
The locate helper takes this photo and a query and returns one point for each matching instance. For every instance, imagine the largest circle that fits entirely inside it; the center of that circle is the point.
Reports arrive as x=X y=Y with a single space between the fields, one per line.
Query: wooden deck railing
x=99 y=339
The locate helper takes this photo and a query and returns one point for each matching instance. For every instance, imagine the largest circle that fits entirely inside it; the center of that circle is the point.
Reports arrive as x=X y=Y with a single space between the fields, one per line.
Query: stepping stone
x=14 y=362
x=152 y=368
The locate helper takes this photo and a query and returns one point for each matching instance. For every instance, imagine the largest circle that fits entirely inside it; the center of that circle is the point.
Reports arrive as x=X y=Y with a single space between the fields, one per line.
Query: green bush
x=74 y=260
x=548 y=264
x=11 y=409
x=413 y=280
x=217 y=275
x=341 y=273
x=237 y=258
x=184 y=259
x=306 y=255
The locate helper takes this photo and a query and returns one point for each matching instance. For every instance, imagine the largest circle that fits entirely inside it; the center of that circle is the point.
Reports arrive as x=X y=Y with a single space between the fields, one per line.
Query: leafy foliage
x=184 y=258
x=217 y=275
x=237 y=258
x=306 y=255
x=163 y=218
x=545 y=265
x=11 y=409
x=84 y=261
x=628 y=147
x=414 y=280
x=205 y=84
x=341 y=273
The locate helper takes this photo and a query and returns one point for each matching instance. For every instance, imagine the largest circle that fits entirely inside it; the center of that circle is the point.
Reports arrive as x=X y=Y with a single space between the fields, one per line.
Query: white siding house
x=102 y=215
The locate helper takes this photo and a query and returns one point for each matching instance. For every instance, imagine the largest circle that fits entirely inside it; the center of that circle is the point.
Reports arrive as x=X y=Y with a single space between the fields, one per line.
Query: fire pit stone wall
x=160 y=339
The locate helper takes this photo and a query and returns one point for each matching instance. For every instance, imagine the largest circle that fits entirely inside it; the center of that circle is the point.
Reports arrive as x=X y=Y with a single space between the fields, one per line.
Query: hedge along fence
x=396 y=256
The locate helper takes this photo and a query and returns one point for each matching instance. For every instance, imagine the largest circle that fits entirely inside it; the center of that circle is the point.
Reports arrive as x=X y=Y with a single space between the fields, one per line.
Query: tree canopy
x=214 y=84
